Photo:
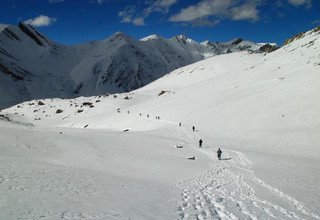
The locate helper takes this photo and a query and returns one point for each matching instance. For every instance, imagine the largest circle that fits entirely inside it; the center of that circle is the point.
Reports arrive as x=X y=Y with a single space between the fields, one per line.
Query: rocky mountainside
x=33 y=66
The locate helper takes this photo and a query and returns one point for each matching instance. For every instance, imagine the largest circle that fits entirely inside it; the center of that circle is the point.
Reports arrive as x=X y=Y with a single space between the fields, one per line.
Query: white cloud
x=200 y=10
x=130 y=14
x=41 y=20
x=217 y=9
x=308 y=3
x=244 y=12
x=159 y=6
x=138 y=21
x=127 y=14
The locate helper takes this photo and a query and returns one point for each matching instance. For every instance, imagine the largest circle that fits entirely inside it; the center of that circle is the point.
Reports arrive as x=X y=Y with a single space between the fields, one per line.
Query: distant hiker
x=148 y=116
x=219 y=152
x=128 y=112
x=118 y=110
x=180 y=124
x=193 y=128
x=140 y=114
x=200 y=143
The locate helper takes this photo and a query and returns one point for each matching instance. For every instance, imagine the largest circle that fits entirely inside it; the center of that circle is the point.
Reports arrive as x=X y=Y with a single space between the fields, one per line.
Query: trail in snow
x=227 y=191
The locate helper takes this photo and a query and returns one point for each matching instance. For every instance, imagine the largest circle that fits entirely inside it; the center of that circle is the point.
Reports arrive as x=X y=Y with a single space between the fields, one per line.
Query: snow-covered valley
x=124 y=156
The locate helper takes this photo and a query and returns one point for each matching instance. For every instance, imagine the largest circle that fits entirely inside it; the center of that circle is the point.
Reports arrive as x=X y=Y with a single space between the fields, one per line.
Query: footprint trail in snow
x=227 y=191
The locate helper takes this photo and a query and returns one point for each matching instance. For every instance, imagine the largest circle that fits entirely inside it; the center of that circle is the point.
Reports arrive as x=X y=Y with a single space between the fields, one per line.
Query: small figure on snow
x=219 y=152
x=128 y=112
x=118 y=110
x=193 y=128
x=200 y=143
x=180 y=124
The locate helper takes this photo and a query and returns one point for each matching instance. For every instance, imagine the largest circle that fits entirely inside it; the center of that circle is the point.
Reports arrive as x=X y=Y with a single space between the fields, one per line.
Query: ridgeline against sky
x=73 y=22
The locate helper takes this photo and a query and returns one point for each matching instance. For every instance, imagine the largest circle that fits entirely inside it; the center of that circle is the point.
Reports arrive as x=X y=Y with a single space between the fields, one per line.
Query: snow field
x=262 y=110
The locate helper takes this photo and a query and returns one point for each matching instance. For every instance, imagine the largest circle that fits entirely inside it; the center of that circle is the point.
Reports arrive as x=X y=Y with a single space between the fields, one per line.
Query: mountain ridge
x=33 y=66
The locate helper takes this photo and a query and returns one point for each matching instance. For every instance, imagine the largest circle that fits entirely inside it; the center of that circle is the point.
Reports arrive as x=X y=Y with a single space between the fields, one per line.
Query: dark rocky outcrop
x=26 y=29
x=10 y=34
x=162 y=92
x=8 y=72
x=268 y=48
x=295 y=37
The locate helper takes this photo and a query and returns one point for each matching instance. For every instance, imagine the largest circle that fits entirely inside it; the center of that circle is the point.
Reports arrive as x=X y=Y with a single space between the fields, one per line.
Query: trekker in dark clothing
x=180 y=124
x=219 y=152
x=193 y=128
x=200 y=143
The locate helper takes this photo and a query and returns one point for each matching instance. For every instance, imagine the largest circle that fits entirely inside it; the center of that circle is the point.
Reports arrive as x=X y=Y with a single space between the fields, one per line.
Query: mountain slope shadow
x=34 y=67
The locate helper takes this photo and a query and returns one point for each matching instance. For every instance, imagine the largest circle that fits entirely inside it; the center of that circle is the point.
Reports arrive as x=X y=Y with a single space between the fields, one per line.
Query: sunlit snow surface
x=263 y=111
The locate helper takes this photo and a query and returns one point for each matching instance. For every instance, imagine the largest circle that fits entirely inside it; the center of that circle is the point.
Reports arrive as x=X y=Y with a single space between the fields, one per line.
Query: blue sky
x=77 y=21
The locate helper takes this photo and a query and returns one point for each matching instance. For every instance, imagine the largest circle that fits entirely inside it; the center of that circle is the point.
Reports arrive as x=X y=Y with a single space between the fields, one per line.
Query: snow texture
x=124 y=156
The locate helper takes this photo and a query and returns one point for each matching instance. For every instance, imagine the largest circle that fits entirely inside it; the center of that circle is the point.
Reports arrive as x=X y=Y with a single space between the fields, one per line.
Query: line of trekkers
x=219 y=152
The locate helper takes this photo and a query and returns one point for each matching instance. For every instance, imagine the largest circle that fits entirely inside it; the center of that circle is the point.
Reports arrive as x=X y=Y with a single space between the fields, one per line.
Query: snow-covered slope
x=3 y=26
x=32 y=66
x=261 y=109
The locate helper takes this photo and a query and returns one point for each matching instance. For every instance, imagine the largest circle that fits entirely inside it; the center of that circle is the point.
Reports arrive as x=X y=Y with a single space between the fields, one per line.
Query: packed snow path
x=228 y=191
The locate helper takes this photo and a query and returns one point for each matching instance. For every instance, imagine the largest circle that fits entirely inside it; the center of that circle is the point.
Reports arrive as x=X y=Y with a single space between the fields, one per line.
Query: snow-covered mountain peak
x=33 y=34
x=213 y=44
x=3 y=26
x=234 y=41
x=120 y=36
x=152 y=37
x=183 y=39
x=206 y=42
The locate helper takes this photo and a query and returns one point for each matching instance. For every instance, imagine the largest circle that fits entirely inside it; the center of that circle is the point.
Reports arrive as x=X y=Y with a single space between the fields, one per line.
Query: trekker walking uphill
x=219 y=152
x=200 y=143
x=193 y=128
